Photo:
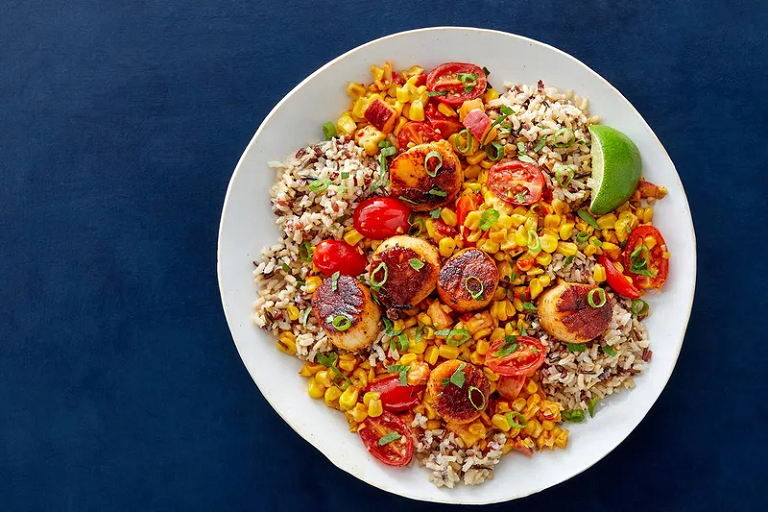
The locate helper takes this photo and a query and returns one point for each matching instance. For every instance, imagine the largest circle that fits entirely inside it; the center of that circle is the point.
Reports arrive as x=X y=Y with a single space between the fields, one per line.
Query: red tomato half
x=457 y=79
x=382 y=217
x=516 y=182
x=509 y=386
x=445 y=125
x=416 y=132
x=617 y=281
x=655 y=261
x=394 y=396
x=397 y=452
x=524 y=361
x=338 y=256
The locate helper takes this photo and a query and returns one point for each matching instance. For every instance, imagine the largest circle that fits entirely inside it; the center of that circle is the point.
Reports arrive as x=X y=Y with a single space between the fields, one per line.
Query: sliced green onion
x=335 y=281
x=591 y=406
x=305 y=252
x=406 y=200
x=388 y=151
x=476 y=294
x=521 y=148
x=582 y=237
x=418 y=223
x=597 y=243
x=305 y=316
x=589 y=219
x=523 y=332
x=344 y=175
x=639 y=261
x=402 y=340
x=458 y=378
x=437 y=93
x=540 y=144
x=526 y=158
x=510 y=345
x=600 y=297
x=495 y=151
x=505 y=129
x=534 y=244
x=530 y=306
x=319 y=186
x=403 y=370
x=640 y=307
x=576 y=347
x=537 y=209
x=511 y=415
x=385 y=144
x=376 y=284
x=341 y=323
x=472 y=401
x=386 y=439
x=556 y=138
x=329 y=130
x=345 y=381
x=328 y=359
x=468 y=80
x=505 y=111
x=286 y=267
x=575 y=416
x=520 y=197
x=416 y=264
x=564 y=175
x=609 y=350
x=513 y=277
x=438 y=192
x=431 y=155
x=388 y=325
x=419 y=331
x=457 y=337
x=488 y=219
x=457 y=141
x=569 y=260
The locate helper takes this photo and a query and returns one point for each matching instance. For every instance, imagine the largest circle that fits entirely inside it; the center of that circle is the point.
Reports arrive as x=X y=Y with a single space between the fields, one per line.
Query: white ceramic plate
x=247 y=226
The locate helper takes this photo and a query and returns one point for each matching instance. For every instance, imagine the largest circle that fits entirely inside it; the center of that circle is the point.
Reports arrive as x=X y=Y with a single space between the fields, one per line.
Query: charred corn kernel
x=518 y=404
x=532 y=387
x=567 y=248
x=552 y=220
x=560 y=207
x=446 y=246
x=469 y=439
x=598 y=273
x=428 y=332
x=510 y=308
x=417 y=348
x=621 y=228
x=424 y=319
x=467 y=106
x=606 y=221
x=314 y=389
x=561 y=441
x=323 y=379
x=483 y=345
x=666 y=255
x=566 y=230
x=408 y=359
x=500 y=421
x=430 y=228
x=613 y=250
x=431 y=412
x=331 y=395
x=548 y=243
x=446 y=110
x=312 y=283
x=310 y=369
x=518 y=304
x=490 y=95
x=293 y=313
x=368 y=137
x=448 y=352
x=544 y=259
x=286 y=342
x=498 y=235
x=590 y=250
x=547 y=425
x=377 y=73
x=473 y=220
x=434 y=424
x=477 y=429
x=353 y=237
x=398 y=325
x=482 y=333
x=355 y=90
x=347 y=364
x=500 y=293
x=448 y=216
x=502 y=407
x=370 y=396
x=361 y=375
x=375 y=408
x=535 y=272
x=348 y=398
x=420 y=95
x=536 y=288
x=416 y=112
x=490 y=374
x=359 y=412
x=358 y=109
x=431 y=354
x=504 y=222
x=649 y=242
x=476 y=158
x=346 y=125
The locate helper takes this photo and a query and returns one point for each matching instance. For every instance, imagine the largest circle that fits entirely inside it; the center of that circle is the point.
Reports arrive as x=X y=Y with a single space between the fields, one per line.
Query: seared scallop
x=459 y=391
x=468 y=280
x=404 y=270
x=410 y=176
x=565 y=313
x=344 y=308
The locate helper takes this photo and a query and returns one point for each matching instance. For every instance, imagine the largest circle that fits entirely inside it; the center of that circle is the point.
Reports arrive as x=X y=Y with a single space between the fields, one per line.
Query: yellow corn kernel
x=606 y=221
x=402 y=95
x=544 y=259
x=561 y=441
x=416 y=112
x=417 y=348
x=477 y=429
x=504 y=221
x=431 y=412
x=353 y=237
x=598 y=273
x=398 y=325
x=620 y=268
x=361 y=375
x=476 y=358
x=355 y=90
x=489 y=246
x=399 y=126
x=358 y=109
x=566 y=230
x=490 y=375
x=647 y=214
x=517 y=220
x=314 y=389
x=590 y=250
x=347 y=364
x=518 y=404
x=548 y=242
x=309 y=369
x=359 y=412
x=567 y=248
x=449 y=217
x=346 y=125
x=286 y=342
x=446 y=246
x=368 y=137
x=323 y=379
x=521 y=238
x=498 y=235
x=471 y=172
x=547 y=425
x=312 y=283
x=448 y=352
x=374 y=408
x=552 y=220
x=476 y=158
x=431 y=354
x=434 y=424
x=370 y=396
x=649 y=242
x=293 y=312
x=446 y=110
x=560 y=207
x=473 y=220
x=407 y=359
x=483 y=345
x=348 y=398
x=613 y=250
x=331 y=395
x=536 y=288
x=500 y=421
x=544 y=280
x=424 y=319
x=532 y=387
x=490 y=95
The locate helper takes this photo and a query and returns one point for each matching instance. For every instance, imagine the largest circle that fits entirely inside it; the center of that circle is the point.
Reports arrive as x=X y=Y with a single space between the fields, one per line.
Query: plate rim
x=458 y=29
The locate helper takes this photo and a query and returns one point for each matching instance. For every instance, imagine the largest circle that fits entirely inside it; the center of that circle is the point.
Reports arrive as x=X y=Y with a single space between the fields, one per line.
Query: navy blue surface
x=120 y=124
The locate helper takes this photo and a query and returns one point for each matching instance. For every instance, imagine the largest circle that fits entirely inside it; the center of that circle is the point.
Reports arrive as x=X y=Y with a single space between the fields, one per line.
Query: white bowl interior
x=247 y=226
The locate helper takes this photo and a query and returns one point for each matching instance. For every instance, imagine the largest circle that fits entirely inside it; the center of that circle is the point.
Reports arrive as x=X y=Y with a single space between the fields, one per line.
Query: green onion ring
x=341 y=323
x=477 y=295
x=469 y=394
x=564 y=175
x=430 y=155
x=457 y=141
x=582 y=237
x=495 y=151
x=567 y=143
x=534 y=244
x=512 y=423
x=600 y=295
x=640 y=307
x=378 y=284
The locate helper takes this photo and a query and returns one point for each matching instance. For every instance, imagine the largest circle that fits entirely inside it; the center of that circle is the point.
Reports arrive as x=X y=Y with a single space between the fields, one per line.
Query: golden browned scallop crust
x=565 y=313
x=466 y=272
x=405 y=285
x=453 y=403
x=409 y=178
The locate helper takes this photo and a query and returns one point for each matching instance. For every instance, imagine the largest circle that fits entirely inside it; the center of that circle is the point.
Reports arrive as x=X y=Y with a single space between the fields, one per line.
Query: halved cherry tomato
x=525 y=360
x=442 y=228
x=421 y=80
x=382 y=217
x=397 y=452
x=618 y=281
x=516 y=182
x=448 y=77
x=656 y=263
x=417 y=132
x=338 y=256
x=464 y=205
x=394 y=396
x=509 y=386
x=648 y=189
x=443 y=124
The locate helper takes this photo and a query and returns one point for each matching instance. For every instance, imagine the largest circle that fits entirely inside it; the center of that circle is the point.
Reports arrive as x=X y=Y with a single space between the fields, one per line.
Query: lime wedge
x=616 y=168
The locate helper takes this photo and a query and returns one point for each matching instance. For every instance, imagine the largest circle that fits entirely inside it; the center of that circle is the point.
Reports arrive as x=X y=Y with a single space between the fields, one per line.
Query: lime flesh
x=616 y=169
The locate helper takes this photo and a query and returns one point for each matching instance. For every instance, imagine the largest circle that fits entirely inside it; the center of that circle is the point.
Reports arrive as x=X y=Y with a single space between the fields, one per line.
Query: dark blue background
x=120 y=123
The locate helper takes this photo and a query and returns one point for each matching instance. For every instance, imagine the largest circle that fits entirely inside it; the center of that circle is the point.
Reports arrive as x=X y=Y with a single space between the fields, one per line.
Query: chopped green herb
x=335 y=281
x=457 y=337
x=305 y=252
x=305 y=316
x=328 y=359
x=530 y=306
x=419 y=224
x=591 y=406
x=505 y=111
x=385 y=144
x=468 y=80
x=458 y=378
x=286 y=267
x=526 y=158
x=386 y=439
x=438 y=192
x=638 y=261
x=416 y=264
x=589 y=219
x=435 y=213
x=344 y=175
x=575 y=416
x=510 y=345
x=402 y=370
x=540 y=144
x=329 y=130
x=405 y=199
x=568 y=260
x=437 y=93
x=576 y=347
x=609 y=350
